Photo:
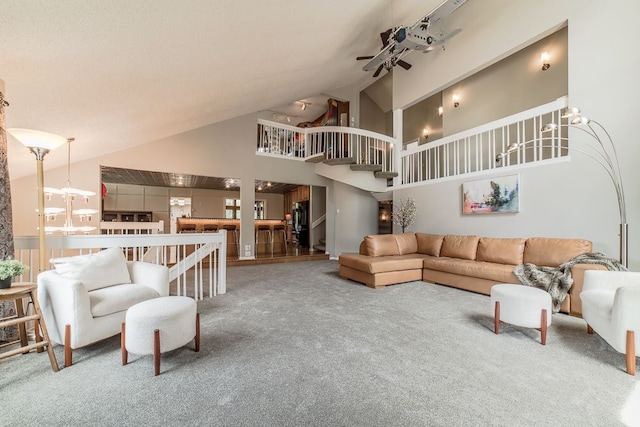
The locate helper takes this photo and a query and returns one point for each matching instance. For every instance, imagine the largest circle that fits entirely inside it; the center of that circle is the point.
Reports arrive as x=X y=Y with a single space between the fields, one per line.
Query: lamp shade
x=37 y=139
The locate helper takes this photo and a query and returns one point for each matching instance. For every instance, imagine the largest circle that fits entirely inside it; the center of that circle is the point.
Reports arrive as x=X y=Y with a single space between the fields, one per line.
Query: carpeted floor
x=295 y=345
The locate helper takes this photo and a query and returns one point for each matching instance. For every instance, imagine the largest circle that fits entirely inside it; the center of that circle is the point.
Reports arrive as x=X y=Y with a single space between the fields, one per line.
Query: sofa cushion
x=96 y=270
x=502 y=251
x=463 y=247
x=478 y=269
x=112 y=299
x=429 y=244
x=381 y=264
x=407 y=243
x=380 y=245
x=552 y=252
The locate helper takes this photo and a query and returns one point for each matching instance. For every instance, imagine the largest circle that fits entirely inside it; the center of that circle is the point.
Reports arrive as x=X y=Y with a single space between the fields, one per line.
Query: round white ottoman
x=521 y=306
x=160 y=325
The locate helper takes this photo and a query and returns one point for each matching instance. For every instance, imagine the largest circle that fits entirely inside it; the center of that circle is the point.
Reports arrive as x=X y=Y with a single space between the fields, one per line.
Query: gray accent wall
x=570 y=199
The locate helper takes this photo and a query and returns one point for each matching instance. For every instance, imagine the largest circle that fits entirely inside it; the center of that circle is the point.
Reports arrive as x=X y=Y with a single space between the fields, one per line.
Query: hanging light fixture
x=69 y=195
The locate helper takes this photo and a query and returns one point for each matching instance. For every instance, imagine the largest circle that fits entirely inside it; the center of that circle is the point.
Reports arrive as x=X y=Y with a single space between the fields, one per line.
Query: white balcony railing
x=198 y=255
x=331 y=142
x=474 y=150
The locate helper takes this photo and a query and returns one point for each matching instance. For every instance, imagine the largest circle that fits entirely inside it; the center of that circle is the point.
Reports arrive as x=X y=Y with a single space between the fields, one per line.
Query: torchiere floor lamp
x=40 y=143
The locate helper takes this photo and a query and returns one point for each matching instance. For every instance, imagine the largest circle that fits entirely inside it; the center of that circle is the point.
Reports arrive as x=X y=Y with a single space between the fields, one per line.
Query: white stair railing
x=206 y=250
x=331 y=142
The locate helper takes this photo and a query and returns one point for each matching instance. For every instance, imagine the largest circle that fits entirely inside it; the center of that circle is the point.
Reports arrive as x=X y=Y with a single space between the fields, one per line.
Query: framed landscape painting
x=492 y=195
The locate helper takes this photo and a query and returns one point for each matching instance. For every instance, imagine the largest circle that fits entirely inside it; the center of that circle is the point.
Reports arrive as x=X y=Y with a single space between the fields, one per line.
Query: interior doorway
x=179 y=207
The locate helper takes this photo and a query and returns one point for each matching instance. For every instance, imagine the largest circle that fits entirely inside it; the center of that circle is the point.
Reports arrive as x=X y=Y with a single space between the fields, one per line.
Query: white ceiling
x=118 y=73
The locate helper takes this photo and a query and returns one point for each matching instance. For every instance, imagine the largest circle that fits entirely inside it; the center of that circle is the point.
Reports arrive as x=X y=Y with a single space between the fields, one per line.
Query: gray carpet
x=295 y=345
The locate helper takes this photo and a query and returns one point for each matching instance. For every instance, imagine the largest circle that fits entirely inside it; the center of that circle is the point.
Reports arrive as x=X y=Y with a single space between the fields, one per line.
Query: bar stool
x=232 y=229
x=279 y=229
x=17 y=292
x=210 y=228
x=188 y=228
x=265 y=231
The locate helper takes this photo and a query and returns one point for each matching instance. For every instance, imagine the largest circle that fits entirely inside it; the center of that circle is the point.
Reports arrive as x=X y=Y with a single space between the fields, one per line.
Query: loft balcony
x=358 y=150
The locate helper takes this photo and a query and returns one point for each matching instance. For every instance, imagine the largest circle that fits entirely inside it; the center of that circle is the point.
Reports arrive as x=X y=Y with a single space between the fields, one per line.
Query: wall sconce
x=544 y=58
x=456 y=100
x=304 y=105
x=440 y=111
x=425 y=133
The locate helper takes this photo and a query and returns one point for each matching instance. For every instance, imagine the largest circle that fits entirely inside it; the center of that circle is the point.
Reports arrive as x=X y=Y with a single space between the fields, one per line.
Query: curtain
x=7 y=308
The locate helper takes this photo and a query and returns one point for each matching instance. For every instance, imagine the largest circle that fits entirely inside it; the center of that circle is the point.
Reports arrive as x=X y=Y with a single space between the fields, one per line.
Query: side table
x=17 y=292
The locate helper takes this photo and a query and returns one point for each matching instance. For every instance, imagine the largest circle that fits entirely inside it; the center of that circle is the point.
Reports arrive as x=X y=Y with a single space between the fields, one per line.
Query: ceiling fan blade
x=385 y=37
x=359 y=58
x=377 y=73
x=403 y=64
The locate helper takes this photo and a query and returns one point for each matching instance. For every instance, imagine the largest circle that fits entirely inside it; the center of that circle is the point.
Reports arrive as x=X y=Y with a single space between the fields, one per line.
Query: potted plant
x=10 y=268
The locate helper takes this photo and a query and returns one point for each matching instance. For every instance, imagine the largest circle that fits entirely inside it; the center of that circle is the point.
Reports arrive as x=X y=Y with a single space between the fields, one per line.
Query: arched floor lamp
x=603 y=152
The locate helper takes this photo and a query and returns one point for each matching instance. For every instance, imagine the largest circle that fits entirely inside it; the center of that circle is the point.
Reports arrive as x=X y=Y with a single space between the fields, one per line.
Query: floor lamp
x=603 y=152
x=40 y=143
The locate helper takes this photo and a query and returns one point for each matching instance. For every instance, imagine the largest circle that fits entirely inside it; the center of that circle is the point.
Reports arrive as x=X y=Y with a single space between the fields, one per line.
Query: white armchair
x=611 y=308
x=86 y=298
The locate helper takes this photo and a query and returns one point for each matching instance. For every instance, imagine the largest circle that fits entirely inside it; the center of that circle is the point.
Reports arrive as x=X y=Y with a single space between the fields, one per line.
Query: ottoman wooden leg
x=156 y=351
x=197 y=332
x=496 y=318
x=123 y=349
x=543 y=327
x=589 y=329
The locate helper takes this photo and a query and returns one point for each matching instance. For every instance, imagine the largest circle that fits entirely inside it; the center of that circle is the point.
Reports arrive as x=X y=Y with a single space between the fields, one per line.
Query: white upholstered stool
x=160 y=325
x=521 y=306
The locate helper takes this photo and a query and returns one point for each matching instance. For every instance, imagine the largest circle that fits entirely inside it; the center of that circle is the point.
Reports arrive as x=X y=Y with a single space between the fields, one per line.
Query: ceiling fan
x=392 y=61
x=421 y=36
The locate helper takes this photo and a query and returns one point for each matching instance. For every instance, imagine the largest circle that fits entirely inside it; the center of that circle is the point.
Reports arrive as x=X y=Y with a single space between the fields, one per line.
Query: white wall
x=356 y=215
x=574 y=199
x=222 y=149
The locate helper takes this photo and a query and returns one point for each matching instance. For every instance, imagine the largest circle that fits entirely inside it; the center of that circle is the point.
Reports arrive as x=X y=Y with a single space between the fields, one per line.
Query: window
x=232 y=209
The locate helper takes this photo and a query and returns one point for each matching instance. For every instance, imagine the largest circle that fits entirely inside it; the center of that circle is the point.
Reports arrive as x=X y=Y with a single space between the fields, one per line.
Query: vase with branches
x=404 y=212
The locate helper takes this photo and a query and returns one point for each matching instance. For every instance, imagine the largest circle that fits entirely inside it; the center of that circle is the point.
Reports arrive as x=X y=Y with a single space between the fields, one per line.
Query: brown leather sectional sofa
x=468 y=262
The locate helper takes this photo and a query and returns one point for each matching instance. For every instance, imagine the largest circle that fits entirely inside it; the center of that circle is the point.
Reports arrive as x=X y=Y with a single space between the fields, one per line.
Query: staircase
x=321 y=246
x=356 y=157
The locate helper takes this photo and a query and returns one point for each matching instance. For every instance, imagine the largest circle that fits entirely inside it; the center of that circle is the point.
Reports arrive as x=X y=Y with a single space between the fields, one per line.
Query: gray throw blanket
x=557 y=280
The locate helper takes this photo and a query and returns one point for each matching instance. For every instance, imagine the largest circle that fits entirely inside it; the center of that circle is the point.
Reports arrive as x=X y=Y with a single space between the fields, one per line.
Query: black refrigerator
x=301 y=223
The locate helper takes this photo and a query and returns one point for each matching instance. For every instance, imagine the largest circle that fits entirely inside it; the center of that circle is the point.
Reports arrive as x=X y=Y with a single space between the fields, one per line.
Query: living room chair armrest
x=609 y=280
x=625 y=312
x=62 y=301
x=154 y=276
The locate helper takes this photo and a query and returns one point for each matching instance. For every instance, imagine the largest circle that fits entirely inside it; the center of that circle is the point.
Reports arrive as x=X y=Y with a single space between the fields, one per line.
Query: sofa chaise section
x=384 y=259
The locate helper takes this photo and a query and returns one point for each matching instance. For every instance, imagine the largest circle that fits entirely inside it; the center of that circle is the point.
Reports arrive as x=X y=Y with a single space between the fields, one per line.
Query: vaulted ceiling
x=120 y=73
